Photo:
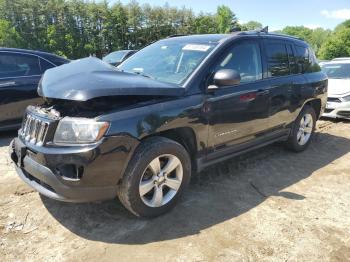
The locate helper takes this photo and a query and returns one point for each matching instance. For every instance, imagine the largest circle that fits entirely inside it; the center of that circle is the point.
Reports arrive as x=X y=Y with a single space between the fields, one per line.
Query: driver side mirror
x=224 y=78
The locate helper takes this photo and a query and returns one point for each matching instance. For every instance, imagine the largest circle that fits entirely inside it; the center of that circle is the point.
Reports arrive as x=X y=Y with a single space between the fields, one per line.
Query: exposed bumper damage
x=73 y=174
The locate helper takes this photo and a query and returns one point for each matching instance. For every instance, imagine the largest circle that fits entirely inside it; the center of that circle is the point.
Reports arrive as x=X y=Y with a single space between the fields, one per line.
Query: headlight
x=79 y=131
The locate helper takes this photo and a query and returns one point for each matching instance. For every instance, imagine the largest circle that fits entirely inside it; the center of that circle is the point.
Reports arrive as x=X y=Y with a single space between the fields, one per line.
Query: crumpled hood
x=338 y=86
x=88 y=78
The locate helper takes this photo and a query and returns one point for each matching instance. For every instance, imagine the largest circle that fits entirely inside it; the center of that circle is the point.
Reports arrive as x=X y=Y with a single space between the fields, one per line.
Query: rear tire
x=155 y=178
x=303 y=130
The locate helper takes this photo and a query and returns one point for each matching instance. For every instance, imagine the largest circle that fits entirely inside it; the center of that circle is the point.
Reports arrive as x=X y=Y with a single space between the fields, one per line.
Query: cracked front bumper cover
x=101 y=170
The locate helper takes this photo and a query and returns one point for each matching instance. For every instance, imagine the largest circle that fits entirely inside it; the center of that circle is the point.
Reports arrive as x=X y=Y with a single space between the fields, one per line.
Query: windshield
x=338 y=71
x=114 y=57
x=167 y=61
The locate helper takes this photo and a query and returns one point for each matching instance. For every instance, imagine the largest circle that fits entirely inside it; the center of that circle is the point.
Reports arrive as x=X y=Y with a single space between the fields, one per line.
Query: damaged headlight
x=79 y=131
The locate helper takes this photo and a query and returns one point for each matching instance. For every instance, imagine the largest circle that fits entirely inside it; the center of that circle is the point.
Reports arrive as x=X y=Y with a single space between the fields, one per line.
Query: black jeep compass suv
x=175 y=107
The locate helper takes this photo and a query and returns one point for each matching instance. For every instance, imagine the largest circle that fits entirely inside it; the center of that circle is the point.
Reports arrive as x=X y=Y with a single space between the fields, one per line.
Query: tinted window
x=292 y=60
x=245 y=58
x=277 y=59
x=16 y=65
x=302 y=55
x=314 y=66
x=45 y=65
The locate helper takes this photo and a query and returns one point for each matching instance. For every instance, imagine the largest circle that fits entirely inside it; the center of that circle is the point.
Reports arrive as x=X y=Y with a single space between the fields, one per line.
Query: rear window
x=277 y=59
x=306 y=60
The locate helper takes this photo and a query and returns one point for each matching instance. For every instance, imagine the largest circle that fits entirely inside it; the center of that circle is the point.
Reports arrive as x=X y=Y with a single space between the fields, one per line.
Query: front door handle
x=12 y=83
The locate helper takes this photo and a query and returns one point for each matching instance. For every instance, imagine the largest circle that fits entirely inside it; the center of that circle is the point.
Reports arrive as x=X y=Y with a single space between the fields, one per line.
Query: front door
x=238 y=114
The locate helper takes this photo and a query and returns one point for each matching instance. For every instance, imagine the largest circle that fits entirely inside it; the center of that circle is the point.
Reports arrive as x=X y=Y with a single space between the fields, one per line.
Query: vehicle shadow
x=6 y=137
x=221 y=193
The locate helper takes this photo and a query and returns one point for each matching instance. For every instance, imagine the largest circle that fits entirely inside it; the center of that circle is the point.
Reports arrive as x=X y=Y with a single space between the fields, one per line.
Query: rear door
x=19 y=78
x=286 y=82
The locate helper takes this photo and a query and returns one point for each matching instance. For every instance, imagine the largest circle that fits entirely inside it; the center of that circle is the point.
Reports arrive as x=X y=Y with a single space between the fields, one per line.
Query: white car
x=338 y=103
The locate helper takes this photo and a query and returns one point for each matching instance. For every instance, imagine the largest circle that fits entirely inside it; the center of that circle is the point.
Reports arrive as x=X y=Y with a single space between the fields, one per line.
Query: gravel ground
x=268 y=205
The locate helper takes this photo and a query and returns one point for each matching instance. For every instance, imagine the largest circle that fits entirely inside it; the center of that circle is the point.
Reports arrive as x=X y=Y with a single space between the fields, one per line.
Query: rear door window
x=292 y=60
x=18 y=65
x=277 y=59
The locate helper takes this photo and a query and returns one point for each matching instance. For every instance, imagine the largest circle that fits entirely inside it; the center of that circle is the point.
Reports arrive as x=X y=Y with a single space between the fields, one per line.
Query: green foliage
x=79 y=28
x=315 y=37
x=251 y=25
x=226 y=19
x=8 y=35
x=299 y=31
x=337 y=45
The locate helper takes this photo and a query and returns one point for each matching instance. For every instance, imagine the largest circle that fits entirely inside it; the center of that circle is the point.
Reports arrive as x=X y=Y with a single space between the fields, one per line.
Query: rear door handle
x=12 y=83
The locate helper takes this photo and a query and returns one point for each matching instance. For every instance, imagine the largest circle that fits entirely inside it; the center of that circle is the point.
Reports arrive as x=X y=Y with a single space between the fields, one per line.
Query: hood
x=338 y=86
x=89 y=78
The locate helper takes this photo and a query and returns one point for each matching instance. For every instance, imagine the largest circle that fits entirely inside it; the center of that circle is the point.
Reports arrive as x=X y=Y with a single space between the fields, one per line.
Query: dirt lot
x=269 y=205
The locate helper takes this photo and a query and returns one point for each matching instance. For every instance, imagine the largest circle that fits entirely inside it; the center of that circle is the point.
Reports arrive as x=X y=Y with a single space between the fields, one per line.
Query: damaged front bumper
x=74 y=174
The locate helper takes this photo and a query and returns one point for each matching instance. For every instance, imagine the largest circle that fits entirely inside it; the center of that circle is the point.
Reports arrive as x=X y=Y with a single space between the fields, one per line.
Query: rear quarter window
x=314 y=66
x=306 y=60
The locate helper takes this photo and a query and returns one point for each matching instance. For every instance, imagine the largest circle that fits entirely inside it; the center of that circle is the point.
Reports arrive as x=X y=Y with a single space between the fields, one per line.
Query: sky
x=275 y=13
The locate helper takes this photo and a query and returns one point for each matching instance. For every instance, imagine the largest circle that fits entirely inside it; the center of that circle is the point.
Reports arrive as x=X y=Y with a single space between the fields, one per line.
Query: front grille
x=333 y=99
x=34 y=129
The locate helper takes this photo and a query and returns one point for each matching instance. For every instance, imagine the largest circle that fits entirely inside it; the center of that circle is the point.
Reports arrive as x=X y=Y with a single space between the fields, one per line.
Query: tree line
x=79 y=28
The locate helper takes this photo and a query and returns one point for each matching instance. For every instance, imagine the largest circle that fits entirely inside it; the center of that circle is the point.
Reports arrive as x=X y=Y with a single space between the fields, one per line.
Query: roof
x=32 y=52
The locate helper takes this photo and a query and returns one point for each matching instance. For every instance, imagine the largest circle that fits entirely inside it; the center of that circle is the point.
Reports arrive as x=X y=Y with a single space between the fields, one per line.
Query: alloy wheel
x=161 y=180
x=305 y=129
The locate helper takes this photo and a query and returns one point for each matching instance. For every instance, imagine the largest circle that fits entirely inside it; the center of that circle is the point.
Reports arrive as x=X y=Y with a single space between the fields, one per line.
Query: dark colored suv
x=175 y=107
x=20 y=72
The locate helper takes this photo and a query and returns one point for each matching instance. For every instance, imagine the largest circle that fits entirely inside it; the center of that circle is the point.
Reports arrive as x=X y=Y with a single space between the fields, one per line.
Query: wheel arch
x=316 y=105
x=185 y=136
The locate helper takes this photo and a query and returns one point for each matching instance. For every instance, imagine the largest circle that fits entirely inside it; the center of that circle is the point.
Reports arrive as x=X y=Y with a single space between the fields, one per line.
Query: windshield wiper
x=137 y=73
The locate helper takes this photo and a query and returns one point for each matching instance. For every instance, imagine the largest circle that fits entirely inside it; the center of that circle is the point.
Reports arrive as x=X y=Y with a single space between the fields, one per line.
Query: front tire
x=303 y=130
x=155 y=178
